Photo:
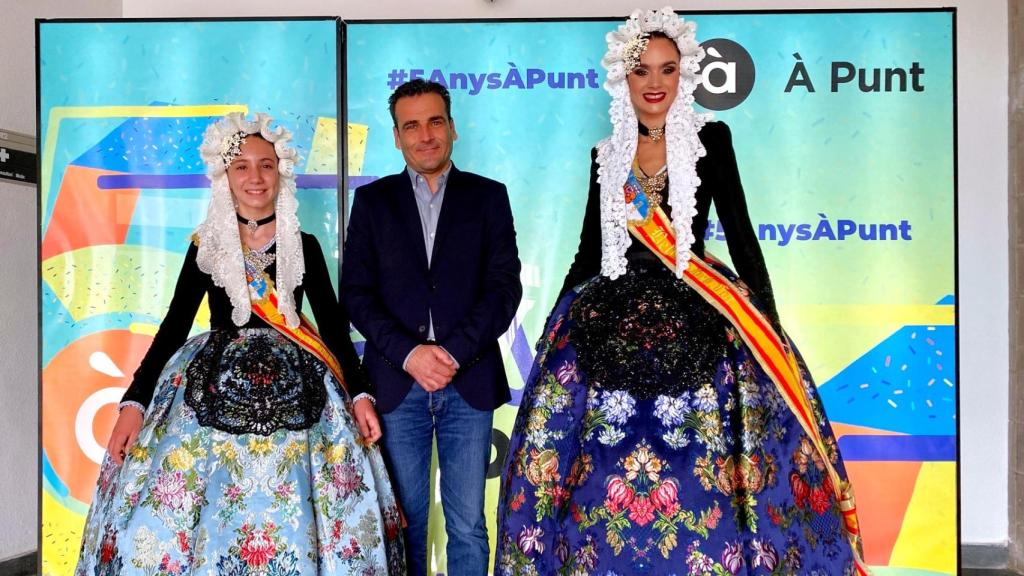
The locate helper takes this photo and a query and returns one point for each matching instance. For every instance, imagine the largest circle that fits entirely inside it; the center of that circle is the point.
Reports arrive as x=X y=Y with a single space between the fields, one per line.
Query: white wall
x=19 y=424
x=982 y=85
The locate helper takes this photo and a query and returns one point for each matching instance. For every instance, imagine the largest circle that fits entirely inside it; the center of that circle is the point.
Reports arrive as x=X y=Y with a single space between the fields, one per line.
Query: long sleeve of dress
x=331 y=320
x=587 y=262
x=720 y=178
x=731 y=205
x=188 y=294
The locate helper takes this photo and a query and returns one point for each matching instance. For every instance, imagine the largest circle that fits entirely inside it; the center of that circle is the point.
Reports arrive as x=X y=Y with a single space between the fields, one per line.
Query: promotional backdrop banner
x=843 y=125
x=123 y=107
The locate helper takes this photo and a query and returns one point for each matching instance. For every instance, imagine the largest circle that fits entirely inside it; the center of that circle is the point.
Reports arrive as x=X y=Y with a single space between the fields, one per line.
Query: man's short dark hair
x=415 y=88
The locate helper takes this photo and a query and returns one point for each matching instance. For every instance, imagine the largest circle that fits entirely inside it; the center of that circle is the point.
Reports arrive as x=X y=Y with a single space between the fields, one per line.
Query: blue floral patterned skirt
x=650 y=441
x=297 y=497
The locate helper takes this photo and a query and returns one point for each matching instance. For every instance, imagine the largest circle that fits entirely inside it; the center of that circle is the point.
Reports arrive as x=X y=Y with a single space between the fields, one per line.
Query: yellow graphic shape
x=927 y=539
x=116 y=278
x=62 y=537
x=357 y=136
x=59 y=113
x=886 y=571
x=323 y=156
x=852 y=330
x=143 y=328
x=886 y=315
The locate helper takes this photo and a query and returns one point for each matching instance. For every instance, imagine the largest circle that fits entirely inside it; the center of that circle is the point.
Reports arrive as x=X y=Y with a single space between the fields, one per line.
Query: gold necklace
x=652 y=185
x=258 y=260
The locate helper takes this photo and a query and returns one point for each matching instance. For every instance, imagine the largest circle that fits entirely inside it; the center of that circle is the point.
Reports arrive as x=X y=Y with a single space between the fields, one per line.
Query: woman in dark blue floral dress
x=668 y=426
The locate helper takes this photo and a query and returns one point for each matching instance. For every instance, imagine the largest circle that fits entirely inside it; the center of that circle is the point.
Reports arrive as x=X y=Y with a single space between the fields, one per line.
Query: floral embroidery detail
x=615 y=407
x=706 y=399
x=732 y=557
x=700 y=564
x=810 y=482
x=180 y=459
x=567 y=374
x=148 y=549
x=529 y=540
x=618 y=406
x=286 y=501
x=610 y=436
x=177 y=494
x=672 y=411
x=169 y=567
x=551 y=397
x=814 y=505
x=764 y=555
x=742 y=477
x=516 y=554
x=676 y=438
x=542 y=472
x=259 y=550
x=581 y=470
x=231 y=502
x=108 y=546
x=642 y=496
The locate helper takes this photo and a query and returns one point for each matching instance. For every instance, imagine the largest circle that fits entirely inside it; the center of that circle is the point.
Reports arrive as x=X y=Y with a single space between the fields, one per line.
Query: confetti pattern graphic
x=122 y=188
x=898 y=406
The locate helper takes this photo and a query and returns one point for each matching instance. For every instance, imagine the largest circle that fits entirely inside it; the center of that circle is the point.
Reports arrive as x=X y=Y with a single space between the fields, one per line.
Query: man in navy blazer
x=430 y=276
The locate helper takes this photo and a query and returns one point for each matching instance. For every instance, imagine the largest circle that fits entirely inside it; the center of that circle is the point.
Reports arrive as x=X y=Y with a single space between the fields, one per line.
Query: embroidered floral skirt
x=650 y=441
x=194 y=499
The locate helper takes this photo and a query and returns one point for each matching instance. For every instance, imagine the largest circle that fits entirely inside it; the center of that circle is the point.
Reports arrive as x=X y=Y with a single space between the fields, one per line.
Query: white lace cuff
x=132 y=404
x=362 y=395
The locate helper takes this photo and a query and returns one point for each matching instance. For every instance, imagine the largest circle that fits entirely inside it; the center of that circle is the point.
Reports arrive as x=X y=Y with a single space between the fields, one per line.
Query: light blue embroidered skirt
x=194 y=499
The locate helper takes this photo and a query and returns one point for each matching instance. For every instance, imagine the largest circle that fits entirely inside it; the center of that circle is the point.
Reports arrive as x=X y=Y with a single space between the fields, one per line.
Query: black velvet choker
x=654 y=134
x=251 y=224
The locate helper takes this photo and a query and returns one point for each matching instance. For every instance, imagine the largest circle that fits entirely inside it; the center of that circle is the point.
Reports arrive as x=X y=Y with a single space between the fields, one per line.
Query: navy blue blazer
x=471 y=288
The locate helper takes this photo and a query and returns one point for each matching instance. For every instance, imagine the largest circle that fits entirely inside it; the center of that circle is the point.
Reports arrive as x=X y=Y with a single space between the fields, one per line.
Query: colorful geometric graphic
x=897 y=403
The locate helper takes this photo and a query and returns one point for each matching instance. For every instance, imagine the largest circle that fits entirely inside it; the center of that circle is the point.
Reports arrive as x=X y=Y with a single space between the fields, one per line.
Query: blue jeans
x=463 y=453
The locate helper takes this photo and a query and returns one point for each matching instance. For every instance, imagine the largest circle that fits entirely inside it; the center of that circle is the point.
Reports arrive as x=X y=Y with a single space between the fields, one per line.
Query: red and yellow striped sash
x=304 y=335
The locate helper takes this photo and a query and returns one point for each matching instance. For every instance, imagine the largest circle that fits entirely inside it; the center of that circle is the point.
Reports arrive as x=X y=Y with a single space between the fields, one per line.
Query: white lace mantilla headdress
x=615 y=154
x=220 y=246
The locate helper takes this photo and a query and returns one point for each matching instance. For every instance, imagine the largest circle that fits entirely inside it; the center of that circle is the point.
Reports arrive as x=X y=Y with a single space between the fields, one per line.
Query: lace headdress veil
x=615 y=154
x=220 y=253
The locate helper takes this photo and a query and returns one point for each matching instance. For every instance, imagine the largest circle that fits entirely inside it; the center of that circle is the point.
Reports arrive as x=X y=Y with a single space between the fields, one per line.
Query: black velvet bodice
x=193 y=284
x=720 y=183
